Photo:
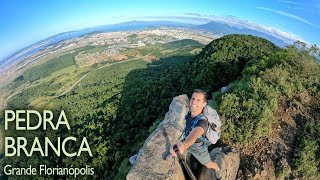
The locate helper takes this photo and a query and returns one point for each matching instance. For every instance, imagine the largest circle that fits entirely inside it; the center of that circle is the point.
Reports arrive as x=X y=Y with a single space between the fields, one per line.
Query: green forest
x=117 y=107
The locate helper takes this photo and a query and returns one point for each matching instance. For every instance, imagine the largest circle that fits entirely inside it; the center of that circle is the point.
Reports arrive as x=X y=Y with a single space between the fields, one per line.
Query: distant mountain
x=224 y=29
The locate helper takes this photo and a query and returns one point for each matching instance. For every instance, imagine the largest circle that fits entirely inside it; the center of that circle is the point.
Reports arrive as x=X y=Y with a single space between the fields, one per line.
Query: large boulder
x=228 y=160
x=153 y=160
x=225 y=89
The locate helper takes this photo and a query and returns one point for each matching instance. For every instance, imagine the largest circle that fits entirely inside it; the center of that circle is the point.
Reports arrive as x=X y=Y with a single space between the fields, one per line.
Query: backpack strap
x=194 y=123
x=184 y=130
x=201 y=138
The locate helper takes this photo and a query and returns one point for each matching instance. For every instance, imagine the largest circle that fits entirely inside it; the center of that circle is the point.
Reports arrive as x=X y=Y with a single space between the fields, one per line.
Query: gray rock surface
x=225 y=89
x=152 y=161
x=133 y=159
x=228 y=160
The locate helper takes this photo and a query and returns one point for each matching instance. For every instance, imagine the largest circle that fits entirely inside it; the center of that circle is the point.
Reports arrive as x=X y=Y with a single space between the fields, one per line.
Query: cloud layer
x=289 y=15
x=196 y=18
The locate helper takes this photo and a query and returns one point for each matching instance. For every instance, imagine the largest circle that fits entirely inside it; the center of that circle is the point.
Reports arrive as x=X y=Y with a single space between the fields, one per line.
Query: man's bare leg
x=212 y=165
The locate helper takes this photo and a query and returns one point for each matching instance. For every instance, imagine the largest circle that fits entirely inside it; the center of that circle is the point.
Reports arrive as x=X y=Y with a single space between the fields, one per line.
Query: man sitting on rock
x=191 y=143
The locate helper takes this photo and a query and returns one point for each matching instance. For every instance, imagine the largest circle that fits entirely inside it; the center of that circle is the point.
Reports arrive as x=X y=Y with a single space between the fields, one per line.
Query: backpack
x=213 y=134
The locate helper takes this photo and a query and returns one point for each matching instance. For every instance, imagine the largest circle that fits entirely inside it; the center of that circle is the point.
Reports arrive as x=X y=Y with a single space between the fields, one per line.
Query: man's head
x=198 y=101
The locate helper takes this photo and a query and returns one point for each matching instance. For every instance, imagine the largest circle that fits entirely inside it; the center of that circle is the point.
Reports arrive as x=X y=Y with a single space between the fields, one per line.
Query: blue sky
x=26 y=22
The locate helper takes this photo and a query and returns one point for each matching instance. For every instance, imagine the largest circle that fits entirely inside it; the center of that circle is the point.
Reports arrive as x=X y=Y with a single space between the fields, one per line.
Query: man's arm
x=190 y=139
x=193 y=136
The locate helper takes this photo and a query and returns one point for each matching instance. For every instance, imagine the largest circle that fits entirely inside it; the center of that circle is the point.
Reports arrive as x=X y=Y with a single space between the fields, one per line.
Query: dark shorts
x=201 y=153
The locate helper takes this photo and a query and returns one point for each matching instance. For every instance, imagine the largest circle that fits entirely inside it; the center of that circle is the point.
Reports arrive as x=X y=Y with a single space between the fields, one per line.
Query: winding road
x=74 y=84
x=82 y=77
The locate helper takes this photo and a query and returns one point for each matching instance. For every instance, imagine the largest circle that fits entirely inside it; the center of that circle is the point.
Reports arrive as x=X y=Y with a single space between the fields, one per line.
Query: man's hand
x=190 y=139
x=181 y=148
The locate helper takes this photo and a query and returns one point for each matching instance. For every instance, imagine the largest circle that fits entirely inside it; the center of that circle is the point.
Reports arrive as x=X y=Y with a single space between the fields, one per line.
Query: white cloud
x=191 y=18
x=289 y=15
x=234 y=21
x=197 y=19
x=290 y=2
x=193 y=14
x=266 y=29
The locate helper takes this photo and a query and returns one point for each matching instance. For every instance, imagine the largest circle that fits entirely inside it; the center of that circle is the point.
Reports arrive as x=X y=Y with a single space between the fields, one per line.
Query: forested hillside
x=273 y=92
x=271 y=113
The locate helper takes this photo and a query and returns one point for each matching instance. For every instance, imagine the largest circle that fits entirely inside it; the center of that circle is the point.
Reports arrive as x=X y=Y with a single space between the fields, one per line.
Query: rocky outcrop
x=227 y=158
x=154 y=161
x=225 y=89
